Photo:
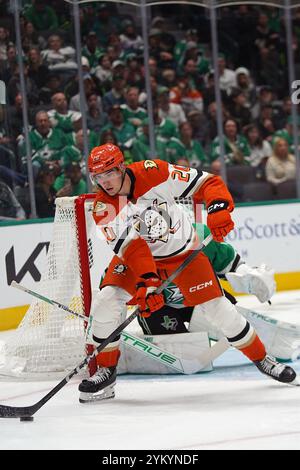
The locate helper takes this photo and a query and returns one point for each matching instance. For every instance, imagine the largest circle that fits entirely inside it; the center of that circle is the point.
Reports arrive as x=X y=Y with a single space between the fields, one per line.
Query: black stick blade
x=16 y=411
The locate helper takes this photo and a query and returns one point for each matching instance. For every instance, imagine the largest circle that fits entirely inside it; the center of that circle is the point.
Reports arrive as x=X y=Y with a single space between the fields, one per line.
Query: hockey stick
x=28 y=411
x=246 y=312
x=47 y=300
x=185 y=366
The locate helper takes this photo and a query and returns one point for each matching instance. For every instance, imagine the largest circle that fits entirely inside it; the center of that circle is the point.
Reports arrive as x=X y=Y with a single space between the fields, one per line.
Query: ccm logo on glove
x=217 y=206
x=219 y=220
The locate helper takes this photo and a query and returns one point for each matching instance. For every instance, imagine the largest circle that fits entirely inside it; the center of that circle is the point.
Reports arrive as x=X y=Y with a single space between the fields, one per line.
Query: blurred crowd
x=258 y=139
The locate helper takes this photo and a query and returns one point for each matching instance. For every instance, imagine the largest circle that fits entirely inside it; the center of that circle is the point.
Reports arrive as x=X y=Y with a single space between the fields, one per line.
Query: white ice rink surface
x=232 y=407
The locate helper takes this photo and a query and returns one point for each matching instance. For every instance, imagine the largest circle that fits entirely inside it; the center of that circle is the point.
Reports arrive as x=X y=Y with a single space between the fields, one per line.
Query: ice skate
x=98 y=387
x=277 y=371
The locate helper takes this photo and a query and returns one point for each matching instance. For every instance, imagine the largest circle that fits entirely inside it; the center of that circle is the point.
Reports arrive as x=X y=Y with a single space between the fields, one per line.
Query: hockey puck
x=26 y=418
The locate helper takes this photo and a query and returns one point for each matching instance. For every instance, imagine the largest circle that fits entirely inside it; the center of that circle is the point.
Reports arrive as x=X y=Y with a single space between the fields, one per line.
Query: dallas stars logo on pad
x=169 y=323
x=173 y=295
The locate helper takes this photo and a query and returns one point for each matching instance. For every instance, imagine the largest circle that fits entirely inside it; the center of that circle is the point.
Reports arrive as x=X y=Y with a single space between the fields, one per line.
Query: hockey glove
x=145 y=296
x=219 y=220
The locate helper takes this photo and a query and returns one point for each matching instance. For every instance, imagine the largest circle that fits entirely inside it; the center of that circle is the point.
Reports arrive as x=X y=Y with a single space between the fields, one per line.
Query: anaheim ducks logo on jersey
x=155 y=224
x=148 y=164
x=120 y=269
x=99 y=207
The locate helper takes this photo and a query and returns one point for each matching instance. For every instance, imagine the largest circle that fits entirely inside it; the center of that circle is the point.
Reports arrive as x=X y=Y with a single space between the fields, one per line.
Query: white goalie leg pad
x=222 y=317
x=281 y=339
x=108 y=310
x=183 y=345
x=200 y=323
x=253 y=280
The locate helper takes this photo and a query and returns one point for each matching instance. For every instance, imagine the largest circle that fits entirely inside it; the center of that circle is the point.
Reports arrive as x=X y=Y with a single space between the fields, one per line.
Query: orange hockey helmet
x=104 y=158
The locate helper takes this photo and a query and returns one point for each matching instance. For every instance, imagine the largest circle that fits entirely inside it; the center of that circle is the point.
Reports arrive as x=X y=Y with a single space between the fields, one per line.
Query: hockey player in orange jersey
x=151 y=235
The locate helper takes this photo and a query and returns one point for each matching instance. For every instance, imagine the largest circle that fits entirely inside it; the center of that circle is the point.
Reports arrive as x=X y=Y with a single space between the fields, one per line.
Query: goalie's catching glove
x=258 y=281
x=219 y=220
x=145 y=296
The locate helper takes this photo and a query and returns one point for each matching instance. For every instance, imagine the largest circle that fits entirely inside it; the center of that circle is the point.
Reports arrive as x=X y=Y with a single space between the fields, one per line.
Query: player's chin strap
x=123 y=178
x=26 y=411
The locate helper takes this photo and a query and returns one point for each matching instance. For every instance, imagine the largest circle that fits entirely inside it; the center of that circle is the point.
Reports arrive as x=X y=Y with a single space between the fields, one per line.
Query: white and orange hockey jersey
x=151 y=211
x=147 y=229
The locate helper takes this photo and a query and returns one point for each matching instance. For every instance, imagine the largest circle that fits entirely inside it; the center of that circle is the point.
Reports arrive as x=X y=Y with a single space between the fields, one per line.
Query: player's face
x=110 y=181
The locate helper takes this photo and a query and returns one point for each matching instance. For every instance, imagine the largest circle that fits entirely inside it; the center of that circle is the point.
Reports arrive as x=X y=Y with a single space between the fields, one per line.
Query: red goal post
x=48 y=342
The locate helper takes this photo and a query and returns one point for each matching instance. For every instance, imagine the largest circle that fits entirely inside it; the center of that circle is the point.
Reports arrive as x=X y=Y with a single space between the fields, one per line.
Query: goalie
x=174 y=318
x=135 y=210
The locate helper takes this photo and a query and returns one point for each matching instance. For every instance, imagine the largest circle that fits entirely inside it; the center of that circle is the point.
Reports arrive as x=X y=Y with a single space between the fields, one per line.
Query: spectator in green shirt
x=132 y=112
x=71 y=182
x=181 y=46
x=141 y=145
x=76 y=139
x=47 y=144
x=186 y=147
x=42 y=16
x=74 y=152
x=164 y=128
x=287 y=134
x=91 y=50
x=61 y=117
x=106 y=22
x=237 y=151
x=124 y=131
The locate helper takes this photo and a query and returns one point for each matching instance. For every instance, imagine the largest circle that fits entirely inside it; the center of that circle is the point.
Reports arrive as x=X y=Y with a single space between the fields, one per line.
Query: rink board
x=264 y=233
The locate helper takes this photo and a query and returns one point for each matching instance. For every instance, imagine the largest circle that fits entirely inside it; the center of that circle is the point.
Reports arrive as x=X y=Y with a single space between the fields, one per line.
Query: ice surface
x=232 y=407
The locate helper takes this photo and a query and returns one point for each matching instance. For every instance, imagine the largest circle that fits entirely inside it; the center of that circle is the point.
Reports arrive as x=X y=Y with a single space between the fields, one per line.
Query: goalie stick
x=185 y=366
x=28 y=411
x=246 y=312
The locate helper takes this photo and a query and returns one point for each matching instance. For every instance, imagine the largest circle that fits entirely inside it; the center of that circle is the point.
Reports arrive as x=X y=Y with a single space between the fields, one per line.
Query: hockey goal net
x=50 y=342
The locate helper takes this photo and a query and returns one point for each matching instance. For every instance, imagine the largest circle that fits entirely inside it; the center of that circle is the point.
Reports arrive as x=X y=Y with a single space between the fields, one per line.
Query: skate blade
x=296 y=382
x=94 y=397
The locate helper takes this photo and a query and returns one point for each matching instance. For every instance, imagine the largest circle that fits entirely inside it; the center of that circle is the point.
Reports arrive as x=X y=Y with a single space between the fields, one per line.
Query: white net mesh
x=195 y=212
x=49 y=341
